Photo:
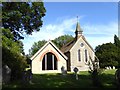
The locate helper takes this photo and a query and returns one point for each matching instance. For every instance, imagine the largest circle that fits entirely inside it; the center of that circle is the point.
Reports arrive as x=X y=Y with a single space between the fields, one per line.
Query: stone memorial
x=27 y=76
x=113 y=67
x=76 y=70
x=64 y=72
x=6 y=74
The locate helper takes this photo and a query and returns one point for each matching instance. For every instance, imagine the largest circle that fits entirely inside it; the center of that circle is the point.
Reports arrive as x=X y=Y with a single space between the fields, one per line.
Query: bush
x=15 y=61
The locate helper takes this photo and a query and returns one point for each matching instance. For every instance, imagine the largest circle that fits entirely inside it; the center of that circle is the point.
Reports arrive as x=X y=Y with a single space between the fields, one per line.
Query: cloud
x=102 y=33
x=102 y=29
x=50 y=31
x=96 y=34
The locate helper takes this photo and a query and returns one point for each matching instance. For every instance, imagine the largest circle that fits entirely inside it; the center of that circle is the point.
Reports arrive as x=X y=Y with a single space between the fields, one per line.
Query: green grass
x=67 y=81
x=108 y=78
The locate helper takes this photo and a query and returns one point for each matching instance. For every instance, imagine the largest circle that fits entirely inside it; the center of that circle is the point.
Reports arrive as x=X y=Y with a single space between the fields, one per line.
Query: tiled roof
x=67 y=46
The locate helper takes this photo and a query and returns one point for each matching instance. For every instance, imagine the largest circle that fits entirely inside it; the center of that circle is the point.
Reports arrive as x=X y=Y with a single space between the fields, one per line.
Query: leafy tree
x=116 y=41
x=18 y=18
x=117 y=44
x=59 y=42
x=9 y=43
x=107 y=54
x=62 y=40
x=12 y=55
x=22 y=17
x=117 y=73
x=36 y=46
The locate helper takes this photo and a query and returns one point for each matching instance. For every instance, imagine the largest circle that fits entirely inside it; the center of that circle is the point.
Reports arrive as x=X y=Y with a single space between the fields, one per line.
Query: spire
x=78 y=31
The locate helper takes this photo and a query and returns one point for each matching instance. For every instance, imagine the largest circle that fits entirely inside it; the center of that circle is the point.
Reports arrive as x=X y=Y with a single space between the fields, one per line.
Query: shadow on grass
x=63 y=81
x=108 y=80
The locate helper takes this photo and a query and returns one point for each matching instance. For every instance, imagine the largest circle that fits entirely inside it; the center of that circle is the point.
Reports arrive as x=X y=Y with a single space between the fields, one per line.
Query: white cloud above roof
x=95 y=34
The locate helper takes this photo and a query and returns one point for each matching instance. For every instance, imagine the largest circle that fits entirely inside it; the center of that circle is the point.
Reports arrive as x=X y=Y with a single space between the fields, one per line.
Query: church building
x=77 y=53
x=48 y=59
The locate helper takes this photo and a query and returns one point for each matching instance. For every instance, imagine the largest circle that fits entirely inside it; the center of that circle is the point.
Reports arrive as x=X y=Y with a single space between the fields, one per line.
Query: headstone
x=64 y=72
x=107 y=67
x=113 y=67
x=6 y=74
x=76 y=70
x=27 y=76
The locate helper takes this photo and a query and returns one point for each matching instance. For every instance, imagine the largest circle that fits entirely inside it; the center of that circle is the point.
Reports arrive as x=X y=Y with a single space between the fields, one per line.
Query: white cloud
x=105 y=29
x=99 y=34
x=95 y=34
x=50 y=31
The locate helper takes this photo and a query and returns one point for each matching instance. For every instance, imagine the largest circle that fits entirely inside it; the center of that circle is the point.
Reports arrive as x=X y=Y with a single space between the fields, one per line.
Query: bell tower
x=78 y=31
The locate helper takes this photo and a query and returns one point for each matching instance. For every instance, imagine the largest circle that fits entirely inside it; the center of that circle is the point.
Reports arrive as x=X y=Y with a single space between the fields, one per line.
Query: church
x=77 y=53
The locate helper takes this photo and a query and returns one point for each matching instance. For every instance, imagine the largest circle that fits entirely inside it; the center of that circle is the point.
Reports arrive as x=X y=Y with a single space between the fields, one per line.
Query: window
x=81 y=44
x=86 y=56
x=79 y=56
x=49 y=62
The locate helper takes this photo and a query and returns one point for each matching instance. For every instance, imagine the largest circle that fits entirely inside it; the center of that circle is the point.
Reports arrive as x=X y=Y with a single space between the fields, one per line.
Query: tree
x=107 y=54
x=22 y=17
x=117 y=44
x=36 y=46
x=62 y=40
x=116 y=41
x=59 y=42
x=18 y=18
x=117 y=73
x=12 y=55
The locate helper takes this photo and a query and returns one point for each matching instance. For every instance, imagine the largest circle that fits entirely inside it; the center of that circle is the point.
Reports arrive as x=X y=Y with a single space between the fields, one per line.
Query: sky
x=98 y=20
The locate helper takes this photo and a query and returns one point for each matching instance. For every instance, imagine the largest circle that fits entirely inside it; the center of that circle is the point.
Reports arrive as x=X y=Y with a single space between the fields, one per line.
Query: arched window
x=49 y=62
x=86 y=56
x=79 y=55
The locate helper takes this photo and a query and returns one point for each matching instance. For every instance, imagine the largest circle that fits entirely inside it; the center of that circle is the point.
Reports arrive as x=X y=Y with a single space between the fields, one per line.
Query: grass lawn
x=67 y=81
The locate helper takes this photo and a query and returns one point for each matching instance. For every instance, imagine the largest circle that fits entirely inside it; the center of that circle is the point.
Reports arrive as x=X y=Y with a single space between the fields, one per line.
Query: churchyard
x=69 y=80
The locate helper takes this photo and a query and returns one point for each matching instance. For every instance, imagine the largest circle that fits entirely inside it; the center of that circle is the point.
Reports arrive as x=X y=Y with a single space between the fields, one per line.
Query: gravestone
x=107 y=67
x=113 y=67
x=76 y=70
x=6 y=74
x=64 y=72
x=27 y=76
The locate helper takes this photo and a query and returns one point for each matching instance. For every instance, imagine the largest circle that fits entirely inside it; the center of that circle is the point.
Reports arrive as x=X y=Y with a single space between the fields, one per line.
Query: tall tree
x=117 y=44
x=12 y=54
x=107 y=54
x=116 y=41
x=22 y=17
x=18 y=18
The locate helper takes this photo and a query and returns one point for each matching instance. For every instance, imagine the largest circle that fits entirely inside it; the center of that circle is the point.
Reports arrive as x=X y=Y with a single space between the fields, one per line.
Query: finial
x=77 y=18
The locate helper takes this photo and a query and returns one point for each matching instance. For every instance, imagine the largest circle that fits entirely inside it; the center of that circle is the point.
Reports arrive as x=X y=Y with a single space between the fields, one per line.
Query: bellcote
x=78 y=31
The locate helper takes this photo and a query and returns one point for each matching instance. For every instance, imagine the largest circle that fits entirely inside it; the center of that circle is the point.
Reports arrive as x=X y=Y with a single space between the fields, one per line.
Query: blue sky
x=99 y=21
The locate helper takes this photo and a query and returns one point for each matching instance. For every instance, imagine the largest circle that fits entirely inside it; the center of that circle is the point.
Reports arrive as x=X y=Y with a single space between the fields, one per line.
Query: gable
x=84 y=41
x=48 y=47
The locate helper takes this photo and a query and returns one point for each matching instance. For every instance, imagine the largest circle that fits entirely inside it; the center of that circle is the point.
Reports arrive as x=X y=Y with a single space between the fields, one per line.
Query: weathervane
x=77 y=18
